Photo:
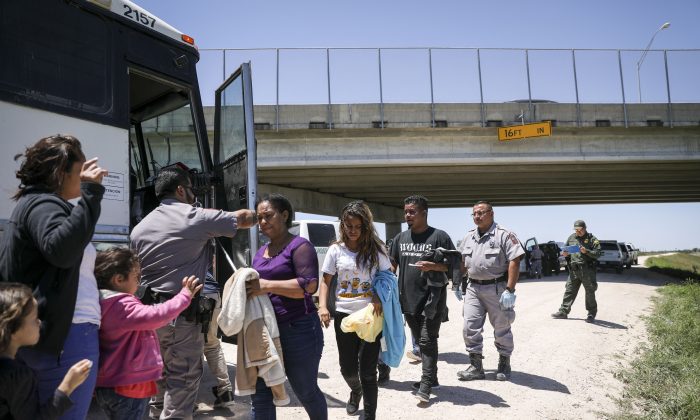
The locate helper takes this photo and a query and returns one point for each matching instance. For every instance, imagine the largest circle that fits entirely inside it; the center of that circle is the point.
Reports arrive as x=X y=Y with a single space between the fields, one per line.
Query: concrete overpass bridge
x=590 y=158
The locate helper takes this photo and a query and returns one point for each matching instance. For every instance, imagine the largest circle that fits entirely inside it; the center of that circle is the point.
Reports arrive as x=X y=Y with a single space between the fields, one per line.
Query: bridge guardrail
x=440 y=76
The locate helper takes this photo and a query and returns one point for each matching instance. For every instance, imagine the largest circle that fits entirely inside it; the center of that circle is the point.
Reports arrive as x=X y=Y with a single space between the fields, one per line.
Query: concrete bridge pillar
x=392 y=229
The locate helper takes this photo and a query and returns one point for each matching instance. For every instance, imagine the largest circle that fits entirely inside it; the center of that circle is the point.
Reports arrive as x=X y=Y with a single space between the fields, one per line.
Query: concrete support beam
x=328 y=204
x=455 y=167
x=392 y=229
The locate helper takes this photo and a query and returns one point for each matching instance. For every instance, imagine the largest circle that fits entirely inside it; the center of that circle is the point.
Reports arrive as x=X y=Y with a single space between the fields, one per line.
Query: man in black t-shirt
x=406 y=251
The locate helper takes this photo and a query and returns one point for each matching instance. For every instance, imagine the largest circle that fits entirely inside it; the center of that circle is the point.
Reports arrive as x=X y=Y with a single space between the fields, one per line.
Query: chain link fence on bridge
x=441 y=76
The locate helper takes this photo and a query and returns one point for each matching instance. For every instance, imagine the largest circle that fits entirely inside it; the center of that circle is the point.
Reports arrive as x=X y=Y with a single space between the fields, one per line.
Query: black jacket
x=42 y=247
x=437 y=280
x=19 y=394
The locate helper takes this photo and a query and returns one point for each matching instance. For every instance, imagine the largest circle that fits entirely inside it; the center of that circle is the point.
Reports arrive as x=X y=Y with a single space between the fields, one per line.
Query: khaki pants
x=181 y=346
x=479 y=301
x=213 y=352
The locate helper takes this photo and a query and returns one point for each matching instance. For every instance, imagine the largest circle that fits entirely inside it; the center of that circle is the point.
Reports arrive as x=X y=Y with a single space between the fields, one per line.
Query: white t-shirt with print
x=354 y=290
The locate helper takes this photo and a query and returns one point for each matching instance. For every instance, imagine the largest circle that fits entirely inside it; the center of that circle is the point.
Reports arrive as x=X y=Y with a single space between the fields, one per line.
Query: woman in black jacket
x=46 y=245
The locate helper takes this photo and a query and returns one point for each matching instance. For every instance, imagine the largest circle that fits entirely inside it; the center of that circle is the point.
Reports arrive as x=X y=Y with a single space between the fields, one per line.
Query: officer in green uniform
x=582 y=270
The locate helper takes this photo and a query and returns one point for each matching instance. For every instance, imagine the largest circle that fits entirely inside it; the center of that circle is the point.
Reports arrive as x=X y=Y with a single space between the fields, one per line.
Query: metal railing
x=497 y=76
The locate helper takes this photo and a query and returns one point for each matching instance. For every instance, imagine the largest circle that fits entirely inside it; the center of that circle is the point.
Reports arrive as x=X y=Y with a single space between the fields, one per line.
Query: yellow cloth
x=364 y=323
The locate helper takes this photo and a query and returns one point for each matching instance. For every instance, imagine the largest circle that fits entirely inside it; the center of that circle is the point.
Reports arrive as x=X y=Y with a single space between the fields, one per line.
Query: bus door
x=235 y=157
x=164 y=131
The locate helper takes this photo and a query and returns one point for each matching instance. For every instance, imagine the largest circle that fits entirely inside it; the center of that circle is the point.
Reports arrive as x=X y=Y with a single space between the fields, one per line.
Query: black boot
x=353 y=403
x=503 y=373
x=475 y=369
x=355 y=394
x=384 y=371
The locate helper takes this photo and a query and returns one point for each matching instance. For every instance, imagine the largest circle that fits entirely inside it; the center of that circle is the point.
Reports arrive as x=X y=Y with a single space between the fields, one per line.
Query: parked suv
x=633 y=254
x=626 y=262
x=321 y=234
x=611 y=256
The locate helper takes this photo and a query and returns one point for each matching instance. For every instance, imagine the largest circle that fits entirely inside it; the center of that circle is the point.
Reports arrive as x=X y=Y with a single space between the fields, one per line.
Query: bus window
x=232 y=120
x=171 y=138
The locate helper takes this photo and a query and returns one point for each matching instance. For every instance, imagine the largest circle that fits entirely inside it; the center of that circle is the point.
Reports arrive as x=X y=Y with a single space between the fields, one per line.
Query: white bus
x=125 y=83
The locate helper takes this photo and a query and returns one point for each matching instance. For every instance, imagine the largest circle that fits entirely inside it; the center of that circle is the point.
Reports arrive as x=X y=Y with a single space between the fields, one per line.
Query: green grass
x=681 y=266
x=664 y=382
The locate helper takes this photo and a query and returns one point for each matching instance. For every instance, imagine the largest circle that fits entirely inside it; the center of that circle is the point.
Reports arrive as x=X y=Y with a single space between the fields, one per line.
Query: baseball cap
x=580 y=224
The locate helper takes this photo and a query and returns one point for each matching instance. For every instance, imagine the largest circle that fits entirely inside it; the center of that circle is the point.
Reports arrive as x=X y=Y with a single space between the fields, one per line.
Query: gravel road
x=562 y=369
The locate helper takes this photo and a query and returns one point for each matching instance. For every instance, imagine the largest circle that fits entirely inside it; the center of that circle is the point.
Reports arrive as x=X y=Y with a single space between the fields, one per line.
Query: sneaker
x=434 y=385
x=423 y=393
x=353 y=403
x=224 y=399
x=414 y=356
x=590 y=318
x=384 y=372
x=559 y=315
x=154 y=409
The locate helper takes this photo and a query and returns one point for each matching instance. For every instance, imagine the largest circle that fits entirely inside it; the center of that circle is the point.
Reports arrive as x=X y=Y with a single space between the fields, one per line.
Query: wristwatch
x=510 y=289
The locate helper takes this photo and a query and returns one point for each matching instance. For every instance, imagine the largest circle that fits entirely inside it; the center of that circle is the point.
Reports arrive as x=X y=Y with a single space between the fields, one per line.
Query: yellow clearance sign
x=517 y=132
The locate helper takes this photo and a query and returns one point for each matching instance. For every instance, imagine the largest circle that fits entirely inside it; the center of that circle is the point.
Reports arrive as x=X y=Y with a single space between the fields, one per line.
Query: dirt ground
x=562 y=369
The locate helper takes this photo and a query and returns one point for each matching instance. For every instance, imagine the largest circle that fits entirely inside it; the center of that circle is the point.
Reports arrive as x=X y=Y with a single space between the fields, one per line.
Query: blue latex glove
x=507 y=300
x=458 y=294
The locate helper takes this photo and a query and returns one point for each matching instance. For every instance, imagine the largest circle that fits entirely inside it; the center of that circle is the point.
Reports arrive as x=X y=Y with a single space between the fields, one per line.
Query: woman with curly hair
x=46 y=245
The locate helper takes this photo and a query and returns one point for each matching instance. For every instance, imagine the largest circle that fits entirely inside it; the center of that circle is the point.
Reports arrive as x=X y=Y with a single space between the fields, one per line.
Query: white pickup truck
x=611 y=256
x=632 y=254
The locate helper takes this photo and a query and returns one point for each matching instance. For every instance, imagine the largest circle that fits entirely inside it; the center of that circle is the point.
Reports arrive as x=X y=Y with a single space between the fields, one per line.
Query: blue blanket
x=387 y=289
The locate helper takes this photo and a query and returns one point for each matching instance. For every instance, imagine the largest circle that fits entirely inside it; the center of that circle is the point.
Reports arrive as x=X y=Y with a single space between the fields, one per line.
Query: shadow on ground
x=536 y=382
x=457 y=395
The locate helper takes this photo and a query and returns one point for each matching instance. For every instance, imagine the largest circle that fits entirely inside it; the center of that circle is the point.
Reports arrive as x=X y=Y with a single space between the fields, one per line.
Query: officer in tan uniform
x=492 y=261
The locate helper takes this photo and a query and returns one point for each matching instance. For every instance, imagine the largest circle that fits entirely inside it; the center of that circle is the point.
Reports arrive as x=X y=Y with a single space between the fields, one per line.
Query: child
x=19 y=394
x=130 y=360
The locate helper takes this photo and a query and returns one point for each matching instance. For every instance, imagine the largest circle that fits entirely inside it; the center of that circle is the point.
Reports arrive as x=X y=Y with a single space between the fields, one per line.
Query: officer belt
x=492 y=281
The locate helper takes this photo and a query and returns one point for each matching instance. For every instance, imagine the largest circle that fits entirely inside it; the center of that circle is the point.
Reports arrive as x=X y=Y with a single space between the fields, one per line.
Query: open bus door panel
x=235 y=165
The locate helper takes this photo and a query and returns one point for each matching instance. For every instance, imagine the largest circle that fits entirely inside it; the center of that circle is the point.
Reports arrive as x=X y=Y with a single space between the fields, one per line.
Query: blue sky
x=623 y=24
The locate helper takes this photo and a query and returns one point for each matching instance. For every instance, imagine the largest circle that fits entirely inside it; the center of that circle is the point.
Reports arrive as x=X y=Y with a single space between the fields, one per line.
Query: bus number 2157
x=139 y=16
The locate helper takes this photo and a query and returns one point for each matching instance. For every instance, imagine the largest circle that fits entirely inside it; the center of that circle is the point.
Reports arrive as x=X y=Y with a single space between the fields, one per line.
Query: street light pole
x=644 y=56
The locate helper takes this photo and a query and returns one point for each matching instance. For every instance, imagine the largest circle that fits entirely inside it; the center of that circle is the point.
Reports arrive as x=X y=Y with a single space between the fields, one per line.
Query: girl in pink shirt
x=130 y=360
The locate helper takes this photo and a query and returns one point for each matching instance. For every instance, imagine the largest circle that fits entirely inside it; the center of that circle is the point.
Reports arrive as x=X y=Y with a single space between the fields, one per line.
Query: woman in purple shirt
x=288 y=268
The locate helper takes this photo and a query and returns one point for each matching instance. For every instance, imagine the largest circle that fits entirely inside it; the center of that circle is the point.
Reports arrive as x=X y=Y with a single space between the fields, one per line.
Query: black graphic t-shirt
x=406 y=249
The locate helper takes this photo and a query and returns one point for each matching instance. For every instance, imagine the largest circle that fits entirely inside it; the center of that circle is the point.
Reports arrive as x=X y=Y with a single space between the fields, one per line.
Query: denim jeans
x=119 y=407
x=427 y=331
x=81 y=343
x=302 y=344
x=358 y=364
